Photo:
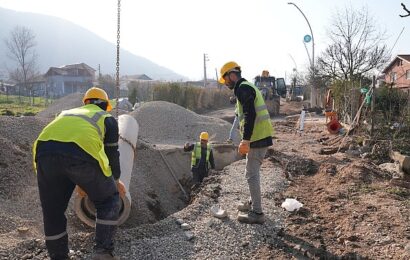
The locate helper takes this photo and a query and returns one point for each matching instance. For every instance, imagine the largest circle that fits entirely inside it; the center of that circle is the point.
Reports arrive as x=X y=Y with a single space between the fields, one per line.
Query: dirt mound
x=17 y=135
x=167 y=123
x=64 y=103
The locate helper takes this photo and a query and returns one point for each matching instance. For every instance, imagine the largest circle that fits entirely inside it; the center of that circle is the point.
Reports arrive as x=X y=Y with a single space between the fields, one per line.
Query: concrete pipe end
x=85 y=210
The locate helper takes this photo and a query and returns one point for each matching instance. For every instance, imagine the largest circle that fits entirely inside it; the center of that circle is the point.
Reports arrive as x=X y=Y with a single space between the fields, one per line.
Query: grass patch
x=21 y=106
x=366 y=189
x=399 y=191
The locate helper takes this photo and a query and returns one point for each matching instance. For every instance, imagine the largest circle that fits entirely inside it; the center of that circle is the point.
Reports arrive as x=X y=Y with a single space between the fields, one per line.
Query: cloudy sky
x=258 y=34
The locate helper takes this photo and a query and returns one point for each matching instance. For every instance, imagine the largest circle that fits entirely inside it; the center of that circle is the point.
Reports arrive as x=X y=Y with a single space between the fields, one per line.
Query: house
x=69 y=79
x=142 y=80
x=397 y=73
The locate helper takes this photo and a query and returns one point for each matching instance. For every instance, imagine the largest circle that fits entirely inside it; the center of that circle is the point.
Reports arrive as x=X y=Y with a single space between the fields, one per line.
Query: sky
x=259 y=34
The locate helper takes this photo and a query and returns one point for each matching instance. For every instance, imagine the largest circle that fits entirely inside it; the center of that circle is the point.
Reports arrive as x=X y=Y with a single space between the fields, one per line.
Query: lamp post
x=312 y=61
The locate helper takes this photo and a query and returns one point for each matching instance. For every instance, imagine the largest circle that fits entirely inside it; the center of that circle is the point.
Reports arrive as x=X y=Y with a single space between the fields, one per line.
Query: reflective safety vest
x=196 y=154
x=262 y=127
x=83 y=126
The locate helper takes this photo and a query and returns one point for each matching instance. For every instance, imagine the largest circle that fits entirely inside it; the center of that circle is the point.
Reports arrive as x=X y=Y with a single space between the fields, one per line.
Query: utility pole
x=99 y=71
x=205 y=60
x=217 y=81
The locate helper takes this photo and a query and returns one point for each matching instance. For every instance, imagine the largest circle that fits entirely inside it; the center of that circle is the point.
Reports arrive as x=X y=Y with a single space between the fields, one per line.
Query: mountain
x=60 y=42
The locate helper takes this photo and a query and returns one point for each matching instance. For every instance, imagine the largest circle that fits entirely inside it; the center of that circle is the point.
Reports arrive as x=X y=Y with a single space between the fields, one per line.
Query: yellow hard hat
x=226 y=68
x=97 y=93
x=204 y=136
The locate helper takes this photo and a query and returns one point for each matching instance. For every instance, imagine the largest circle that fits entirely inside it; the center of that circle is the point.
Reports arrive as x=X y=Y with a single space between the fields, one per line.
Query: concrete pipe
x=128 y=130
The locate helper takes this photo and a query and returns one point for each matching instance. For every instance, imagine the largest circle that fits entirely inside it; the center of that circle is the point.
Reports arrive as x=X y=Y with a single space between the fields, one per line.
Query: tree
x=107 y=82
x=132 y=96
x=21 y=44
x=356 y=46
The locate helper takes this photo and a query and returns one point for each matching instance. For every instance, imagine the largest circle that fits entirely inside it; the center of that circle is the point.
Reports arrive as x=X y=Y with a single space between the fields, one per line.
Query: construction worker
x=256 y=130
x=80 y=147
x=202 y=158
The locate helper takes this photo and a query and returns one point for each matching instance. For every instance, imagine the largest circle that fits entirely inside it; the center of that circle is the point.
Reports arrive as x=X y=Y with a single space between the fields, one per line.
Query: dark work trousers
x=57 y=176
x=198 y=174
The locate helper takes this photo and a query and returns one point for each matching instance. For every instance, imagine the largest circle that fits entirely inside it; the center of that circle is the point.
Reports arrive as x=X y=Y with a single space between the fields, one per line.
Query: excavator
x=272 y=90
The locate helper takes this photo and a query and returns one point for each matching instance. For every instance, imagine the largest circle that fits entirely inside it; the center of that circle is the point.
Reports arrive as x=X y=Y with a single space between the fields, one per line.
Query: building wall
x=63 y=85
x=399 y=74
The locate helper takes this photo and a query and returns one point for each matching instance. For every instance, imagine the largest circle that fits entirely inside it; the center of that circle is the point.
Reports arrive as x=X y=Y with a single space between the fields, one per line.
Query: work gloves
x=120 y=188
x=244 y=147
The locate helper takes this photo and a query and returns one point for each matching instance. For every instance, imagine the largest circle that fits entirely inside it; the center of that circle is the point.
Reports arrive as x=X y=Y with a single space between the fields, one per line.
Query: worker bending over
x=80 y=147
x=202 y=158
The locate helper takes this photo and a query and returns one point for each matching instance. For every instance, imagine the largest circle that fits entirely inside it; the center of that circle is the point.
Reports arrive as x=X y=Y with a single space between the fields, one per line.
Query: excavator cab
x=270 y=88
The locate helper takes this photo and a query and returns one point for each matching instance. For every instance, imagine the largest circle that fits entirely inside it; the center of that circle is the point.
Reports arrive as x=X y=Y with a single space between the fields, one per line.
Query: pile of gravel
x=20 y=209
x=64 y=103
x=167 y=123
x=206 y=237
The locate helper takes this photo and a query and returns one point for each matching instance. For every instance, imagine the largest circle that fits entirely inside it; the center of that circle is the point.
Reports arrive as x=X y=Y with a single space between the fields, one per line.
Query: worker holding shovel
x=80 y=147
x=256 y=130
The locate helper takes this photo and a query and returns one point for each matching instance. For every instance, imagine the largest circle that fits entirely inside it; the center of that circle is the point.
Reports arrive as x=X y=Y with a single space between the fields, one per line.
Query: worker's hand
x=244 y=147
x=80 y=192
x=186 y=146
x=121 y=188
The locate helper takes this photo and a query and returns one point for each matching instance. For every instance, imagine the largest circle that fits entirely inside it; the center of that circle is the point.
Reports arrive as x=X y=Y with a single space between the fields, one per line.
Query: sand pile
x=64 y=103
x=167 y=123
x=19 y=198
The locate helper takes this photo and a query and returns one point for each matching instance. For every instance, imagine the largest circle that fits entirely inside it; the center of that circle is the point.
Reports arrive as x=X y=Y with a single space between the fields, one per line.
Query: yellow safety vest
x=196 y=153
x=262 y=126
x=83 y=126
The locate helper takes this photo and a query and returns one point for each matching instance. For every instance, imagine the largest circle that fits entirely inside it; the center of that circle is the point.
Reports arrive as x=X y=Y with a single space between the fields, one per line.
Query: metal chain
x=117 y=87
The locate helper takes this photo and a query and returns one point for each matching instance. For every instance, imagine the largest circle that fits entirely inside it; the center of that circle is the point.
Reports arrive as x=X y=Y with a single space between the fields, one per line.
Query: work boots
x=245 y=206
x=251 y=218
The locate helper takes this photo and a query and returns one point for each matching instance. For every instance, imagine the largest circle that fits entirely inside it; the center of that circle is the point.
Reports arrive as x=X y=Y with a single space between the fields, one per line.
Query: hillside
x=61 y=42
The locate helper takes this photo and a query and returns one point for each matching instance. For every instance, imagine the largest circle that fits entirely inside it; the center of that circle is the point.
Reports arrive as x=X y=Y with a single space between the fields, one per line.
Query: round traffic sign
x=307 y=38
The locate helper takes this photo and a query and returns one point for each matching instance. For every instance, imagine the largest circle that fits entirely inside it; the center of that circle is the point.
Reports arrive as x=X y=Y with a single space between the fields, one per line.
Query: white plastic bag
x=291 y=204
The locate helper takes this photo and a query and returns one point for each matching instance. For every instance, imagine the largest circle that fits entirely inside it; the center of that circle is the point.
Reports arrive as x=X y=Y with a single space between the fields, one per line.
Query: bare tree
x=20 y=44
x=405 y=9
x=356 y=46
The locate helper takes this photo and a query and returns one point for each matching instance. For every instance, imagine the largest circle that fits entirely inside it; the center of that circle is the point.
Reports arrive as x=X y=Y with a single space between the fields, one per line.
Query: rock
x=403 y=160
x=185 y=226
x=189 y=235
x=179 y=221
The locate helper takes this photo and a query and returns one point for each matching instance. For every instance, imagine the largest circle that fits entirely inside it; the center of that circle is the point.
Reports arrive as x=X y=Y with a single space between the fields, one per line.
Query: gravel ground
x=207 y=237
x=152 y=231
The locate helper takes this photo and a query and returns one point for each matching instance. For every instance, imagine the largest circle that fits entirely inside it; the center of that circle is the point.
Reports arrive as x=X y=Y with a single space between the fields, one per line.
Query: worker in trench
x=202 y=158
x=256 y=131
x=80 y=147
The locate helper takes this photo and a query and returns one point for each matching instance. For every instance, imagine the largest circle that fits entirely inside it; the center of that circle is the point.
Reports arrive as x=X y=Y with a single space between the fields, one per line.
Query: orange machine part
x=334 y=126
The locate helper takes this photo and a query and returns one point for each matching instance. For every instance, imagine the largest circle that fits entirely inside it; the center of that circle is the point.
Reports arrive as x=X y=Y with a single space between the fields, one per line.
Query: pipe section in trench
x=128 y=130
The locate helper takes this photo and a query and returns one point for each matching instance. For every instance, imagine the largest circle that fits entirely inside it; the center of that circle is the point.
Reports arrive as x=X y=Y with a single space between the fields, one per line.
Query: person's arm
x=111 y=146
x=188 y=147
x=246 y=96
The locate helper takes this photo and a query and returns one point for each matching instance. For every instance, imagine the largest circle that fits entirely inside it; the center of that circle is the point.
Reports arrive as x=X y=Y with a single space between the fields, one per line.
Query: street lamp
x=312 y=61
